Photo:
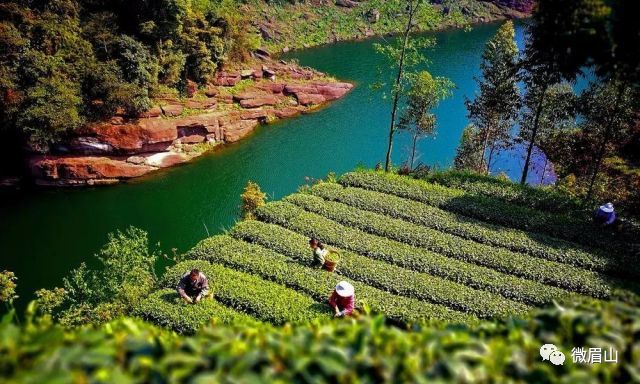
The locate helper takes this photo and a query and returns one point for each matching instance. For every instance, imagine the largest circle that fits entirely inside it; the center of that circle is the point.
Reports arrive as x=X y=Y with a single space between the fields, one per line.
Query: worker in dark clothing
x=193 y=286
x=605 y=215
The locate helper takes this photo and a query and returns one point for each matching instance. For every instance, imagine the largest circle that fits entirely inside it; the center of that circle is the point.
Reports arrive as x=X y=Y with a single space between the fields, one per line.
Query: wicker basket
x=331 y=260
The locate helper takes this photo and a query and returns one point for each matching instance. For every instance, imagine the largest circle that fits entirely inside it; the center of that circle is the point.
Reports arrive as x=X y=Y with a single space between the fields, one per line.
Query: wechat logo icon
x=552 y=353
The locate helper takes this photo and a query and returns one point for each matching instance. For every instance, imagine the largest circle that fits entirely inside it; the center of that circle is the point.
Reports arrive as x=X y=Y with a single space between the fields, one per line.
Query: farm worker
x=605 y=215
x=193 y=286
x=343 y=299
x=319 y=252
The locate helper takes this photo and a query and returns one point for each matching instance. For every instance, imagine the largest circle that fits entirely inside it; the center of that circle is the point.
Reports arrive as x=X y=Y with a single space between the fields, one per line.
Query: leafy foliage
x=126 y=276
x=8 y=286
x=247 y=293
x=314 y=282
x=495 y=109
x=252 y=198
x=384 y=276
x=425 y=93
x=535 y=244
x=505 y=261
x=487 y=209
x=341 y=352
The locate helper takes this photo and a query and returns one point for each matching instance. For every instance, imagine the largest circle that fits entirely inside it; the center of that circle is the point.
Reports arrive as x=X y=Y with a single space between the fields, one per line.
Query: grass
x=415 y=251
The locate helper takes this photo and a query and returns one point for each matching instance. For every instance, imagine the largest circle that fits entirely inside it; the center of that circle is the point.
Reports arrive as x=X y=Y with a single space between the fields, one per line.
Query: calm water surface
x=45 y=233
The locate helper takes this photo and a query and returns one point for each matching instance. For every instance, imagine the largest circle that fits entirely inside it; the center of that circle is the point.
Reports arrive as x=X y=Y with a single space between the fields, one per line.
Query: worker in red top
x=343 y=299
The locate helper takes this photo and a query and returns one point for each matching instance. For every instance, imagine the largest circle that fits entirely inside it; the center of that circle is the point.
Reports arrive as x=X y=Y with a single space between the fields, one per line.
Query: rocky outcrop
x=176 y=131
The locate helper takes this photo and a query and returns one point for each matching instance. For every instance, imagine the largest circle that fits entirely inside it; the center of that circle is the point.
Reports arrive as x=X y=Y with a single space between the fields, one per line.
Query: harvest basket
x=331 y=260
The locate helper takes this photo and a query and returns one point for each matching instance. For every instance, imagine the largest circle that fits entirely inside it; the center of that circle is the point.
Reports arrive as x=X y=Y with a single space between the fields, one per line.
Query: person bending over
x=319 y=252
x=605 y=215
x=343 y=299
x=193 y=286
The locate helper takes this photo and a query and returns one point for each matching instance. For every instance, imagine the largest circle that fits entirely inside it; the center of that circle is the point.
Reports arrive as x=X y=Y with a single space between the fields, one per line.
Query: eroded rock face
x=134 y=137
x=56 y=168
x=165 y=159
x=125 y=146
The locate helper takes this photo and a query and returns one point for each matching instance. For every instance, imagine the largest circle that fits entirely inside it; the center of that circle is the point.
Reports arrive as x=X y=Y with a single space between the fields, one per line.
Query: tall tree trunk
x=396 y=91
x=534 y=132
x=607 y=136
x=493 y=147
x=413 y=149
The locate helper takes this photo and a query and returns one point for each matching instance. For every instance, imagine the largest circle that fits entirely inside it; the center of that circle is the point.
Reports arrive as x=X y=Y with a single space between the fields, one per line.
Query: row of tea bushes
x=532 y=243
x=383 y=275
x=164 y=308
x=483 y=207
x=262 y=299
x=317 y=283
x=540 y=197
x=406 y=256
x=552 y=273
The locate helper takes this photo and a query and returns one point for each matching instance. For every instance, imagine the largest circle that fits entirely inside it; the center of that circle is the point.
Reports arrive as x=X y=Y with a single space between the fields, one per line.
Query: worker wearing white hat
x=605 y=215
x=343 y=299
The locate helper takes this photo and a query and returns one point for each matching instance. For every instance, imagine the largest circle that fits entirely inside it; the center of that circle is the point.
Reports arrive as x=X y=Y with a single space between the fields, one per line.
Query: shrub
x=535 y=244
x=385 y=276
x=8 y=287
x=165 y=308
x=528 y=267
x=316 y=282
x=252 y=198
x=262 y=299
x=410 y=257
x=484 y=208
x=545 y=198
x=126 y=276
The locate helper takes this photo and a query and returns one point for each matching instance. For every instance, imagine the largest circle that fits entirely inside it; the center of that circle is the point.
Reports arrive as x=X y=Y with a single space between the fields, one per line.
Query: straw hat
x=344 y=289
x=608 y=208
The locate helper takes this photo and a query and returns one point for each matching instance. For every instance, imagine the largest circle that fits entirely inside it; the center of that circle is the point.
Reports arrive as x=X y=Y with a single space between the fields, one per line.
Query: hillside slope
x=417 y=252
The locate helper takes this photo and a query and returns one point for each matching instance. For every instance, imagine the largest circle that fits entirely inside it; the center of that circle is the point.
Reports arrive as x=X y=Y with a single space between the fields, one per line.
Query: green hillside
x=417 y=252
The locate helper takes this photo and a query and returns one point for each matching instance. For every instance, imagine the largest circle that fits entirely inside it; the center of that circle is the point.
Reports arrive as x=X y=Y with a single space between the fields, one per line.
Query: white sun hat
x=608 y=208
x=344 y=289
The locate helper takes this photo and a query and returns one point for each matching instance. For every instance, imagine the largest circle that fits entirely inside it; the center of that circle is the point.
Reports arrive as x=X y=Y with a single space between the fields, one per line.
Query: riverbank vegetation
x=64 y=63
x=590 y=137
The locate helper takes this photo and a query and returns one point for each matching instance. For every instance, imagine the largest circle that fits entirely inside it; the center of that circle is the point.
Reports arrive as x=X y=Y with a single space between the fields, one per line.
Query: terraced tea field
x=414 y=250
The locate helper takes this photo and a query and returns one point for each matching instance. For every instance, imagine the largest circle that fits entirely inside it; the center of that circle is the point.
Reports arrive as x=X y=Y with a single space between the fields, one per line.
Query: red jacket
x=344 y=304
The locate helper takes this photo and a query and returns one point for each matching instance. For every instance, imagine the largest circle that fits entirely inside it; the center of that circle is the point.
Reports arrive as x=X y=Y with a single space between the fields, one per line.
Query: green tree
x=494 y=109
x=50 y=110
x=125 y=277
x=609 y=110
x=469 y=153
x=402 y=56
x=424 y=94
x=558 y=119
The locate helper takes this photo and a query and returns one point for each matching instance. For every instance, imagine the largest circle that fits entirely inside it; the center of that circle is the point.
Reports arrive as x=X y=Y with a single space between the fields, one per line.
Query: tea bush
x=483 y=207
x=368 y=350
x=541 y=197
x=317 y=283
x=250 y=294
x=383 y=275
x=535 y=244
x=417 y=259
x=165 y=308
x=560 y=275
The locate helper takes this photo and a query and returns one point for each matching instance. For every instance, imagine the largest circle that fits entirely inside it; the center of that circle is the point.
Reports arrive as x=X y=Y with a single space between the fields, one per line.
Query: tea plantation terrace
x=415 y=250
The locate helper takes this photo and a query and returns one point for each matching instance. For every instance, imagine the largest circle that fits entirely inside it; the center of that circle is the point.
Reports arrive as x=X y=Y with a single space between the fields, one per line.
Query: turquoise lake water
x=45 y=233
